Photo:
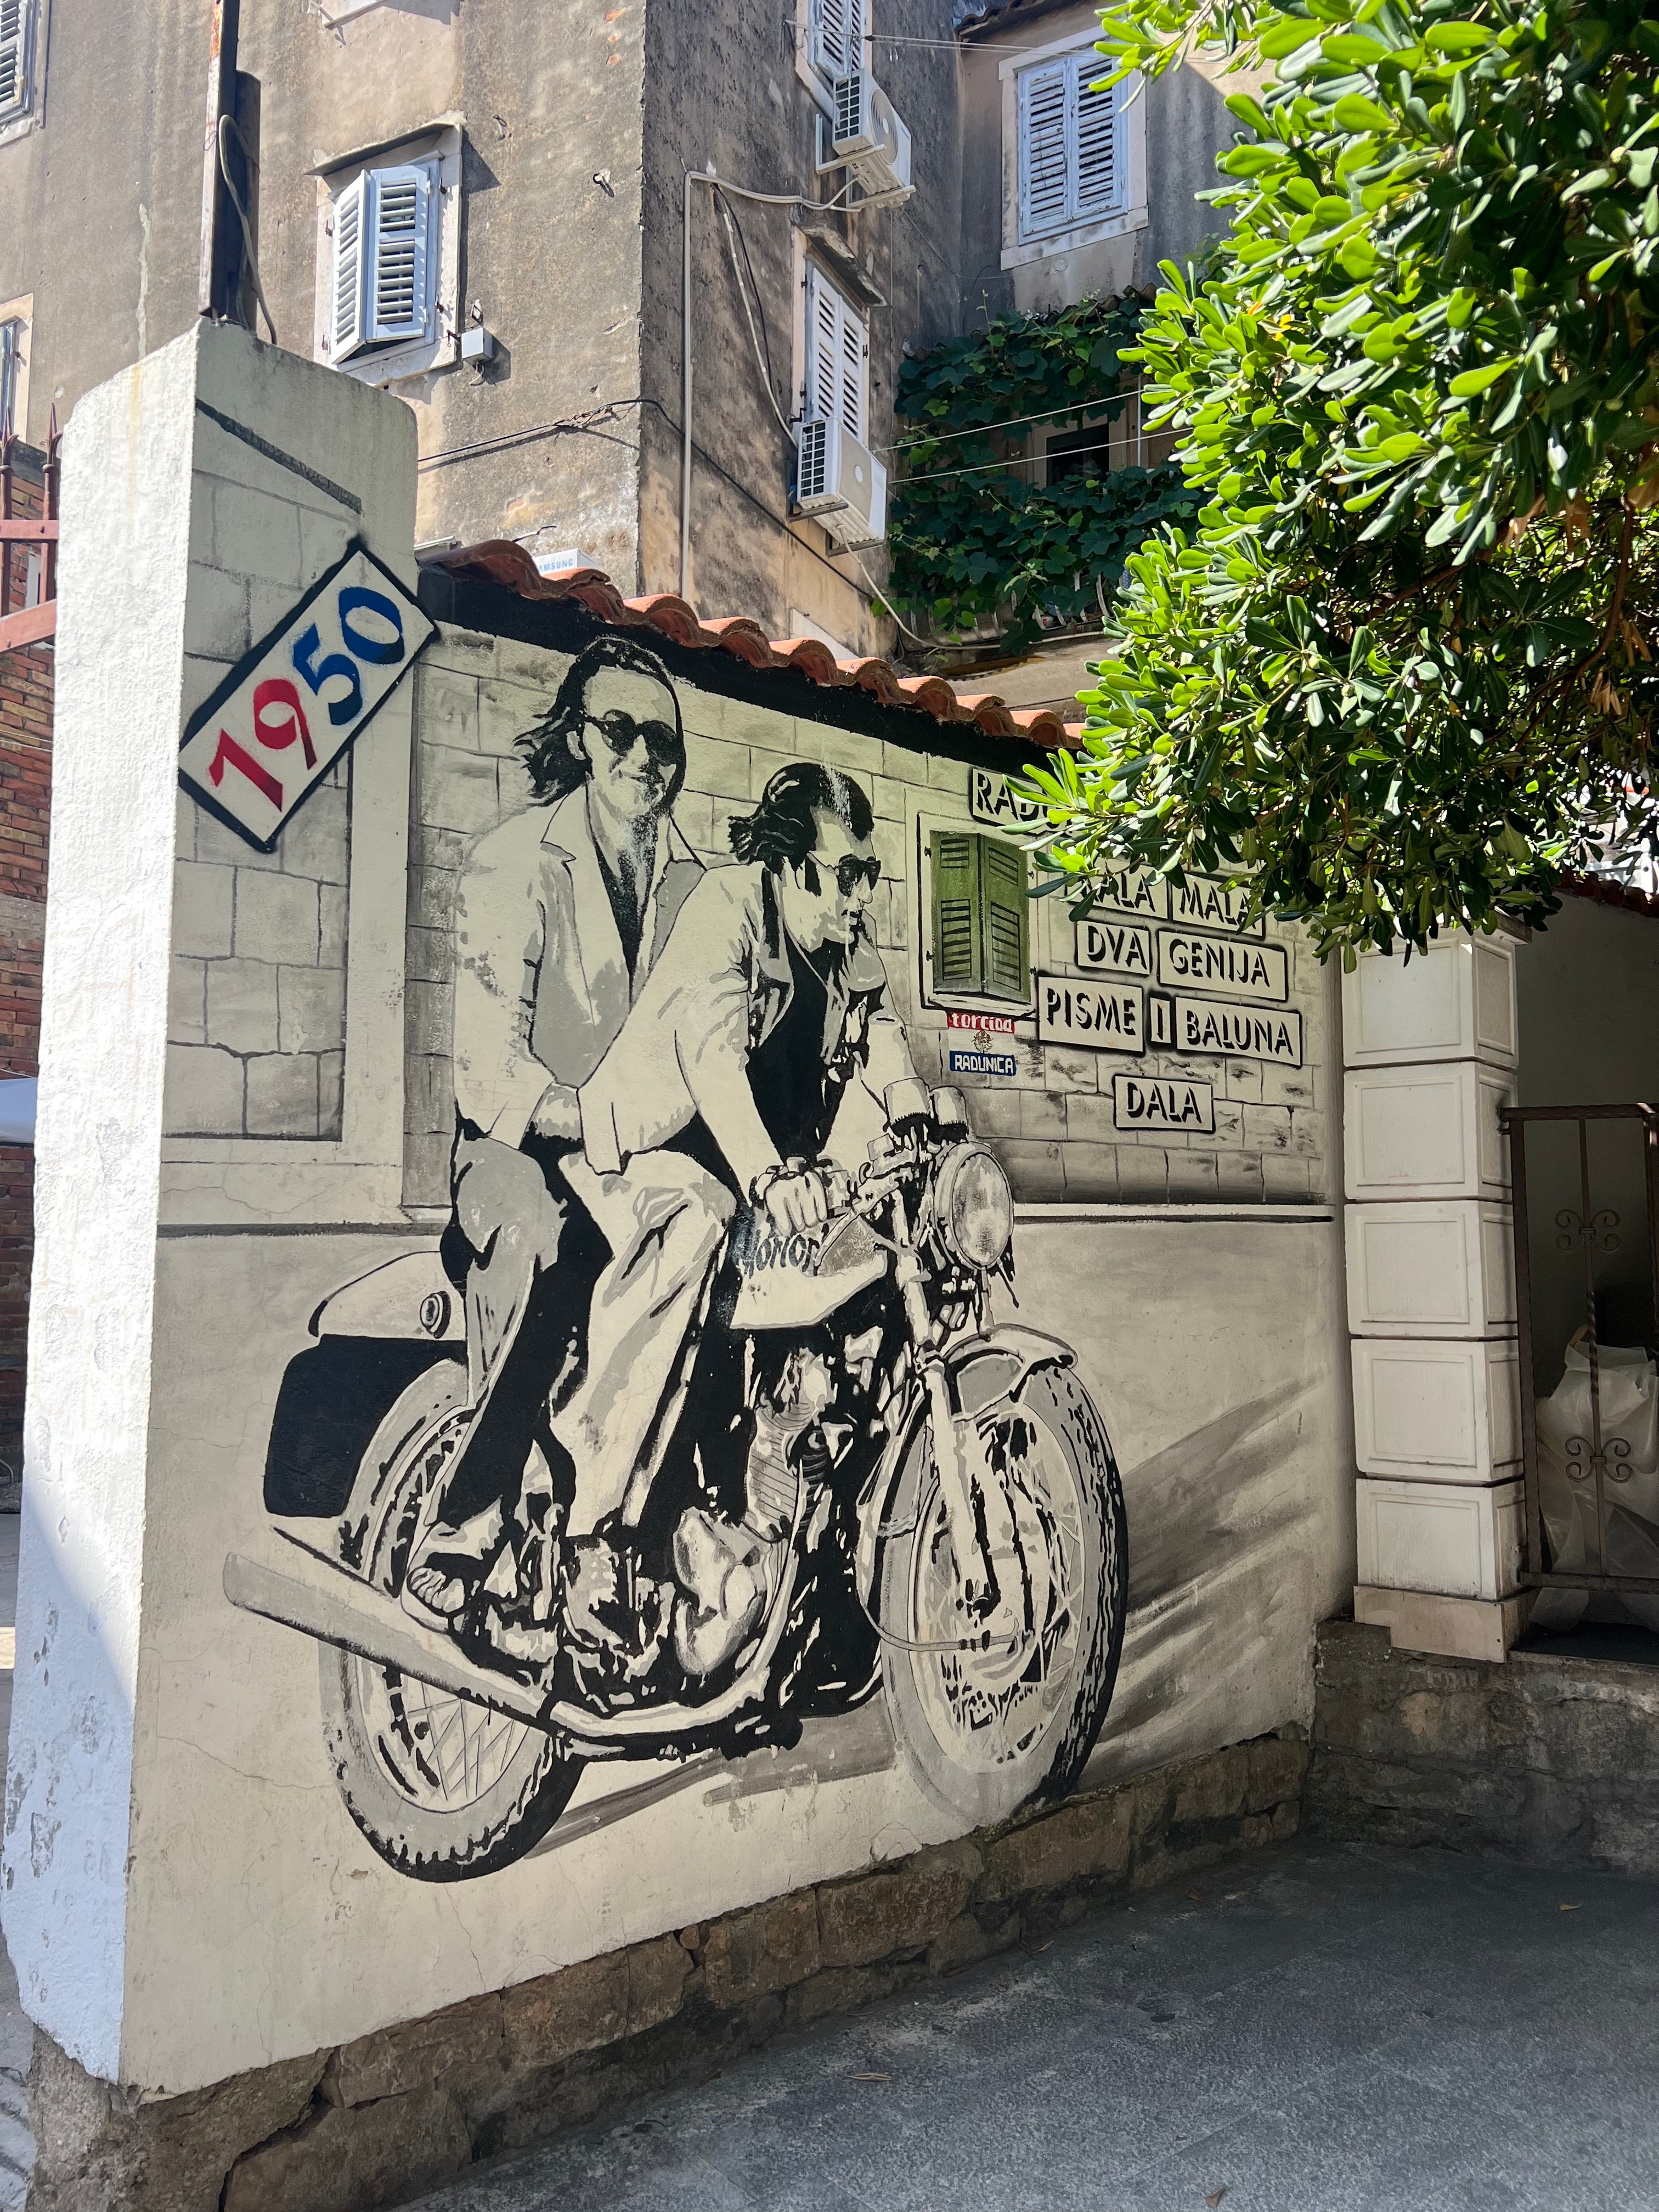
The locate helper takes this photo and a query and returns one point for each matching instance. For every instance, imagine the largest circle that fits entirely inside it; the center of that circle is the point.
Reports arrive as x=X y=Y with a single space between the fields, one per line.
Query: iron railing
x=1584 y=1233
x=25 y=624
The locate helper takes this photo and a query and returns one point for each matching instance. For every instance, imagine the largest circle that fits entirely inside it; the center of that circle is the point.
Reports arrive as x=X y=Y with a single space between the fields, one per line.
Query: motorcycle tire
x=985 y=1733
x=443 y=1788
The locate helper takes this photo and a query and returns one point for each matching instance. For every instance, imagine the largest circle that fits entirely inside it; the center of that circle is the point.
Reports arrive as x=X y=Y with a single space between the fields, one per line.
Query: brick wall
x=25 y=697
x=257 y=1023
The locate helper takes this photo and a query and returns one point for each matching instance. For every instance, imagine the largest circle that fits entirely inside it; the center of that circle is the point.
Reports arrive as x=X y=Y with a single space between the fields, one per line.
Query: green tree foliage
x=973 y=540
x=1404 y=667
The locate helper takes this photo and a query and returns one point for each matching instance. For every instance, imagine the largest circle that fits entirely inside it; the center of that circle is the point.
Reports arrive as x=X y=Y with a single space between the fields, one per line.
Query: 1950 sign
x=285 y=714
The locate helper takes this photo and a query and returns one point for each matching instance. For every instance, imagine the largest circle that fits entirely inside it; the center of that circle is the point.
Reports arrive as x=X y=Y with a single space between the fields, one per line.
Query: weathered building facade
x=544 y=154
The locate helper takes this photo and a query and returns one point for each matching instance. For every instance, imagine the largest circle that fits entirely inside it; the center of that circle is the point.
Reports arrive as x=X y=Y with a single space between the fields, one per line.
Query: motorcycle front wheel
x=986 y=1730
x=442 y=1788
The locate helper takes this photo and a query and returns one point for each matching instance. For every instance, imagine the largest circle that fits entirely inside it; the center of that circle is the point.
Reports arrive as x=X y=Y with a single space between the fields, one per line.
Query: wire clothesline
x=984 y=429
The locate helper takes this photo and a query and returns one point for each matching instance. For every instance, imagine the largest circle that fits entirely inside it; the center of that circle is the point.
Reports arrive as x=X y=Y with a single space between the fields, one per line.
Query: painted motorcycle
x=947 y=1517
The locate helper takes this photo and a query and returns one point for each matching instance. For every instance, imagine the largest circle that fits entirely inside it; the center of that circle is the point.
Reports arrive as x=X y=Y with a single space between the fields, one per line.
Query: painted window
x=981 y=917
x=835 y=32
x=1073 y=156
x=837 y=356
x=12 y=334
x=17 y=35
x=384 y=290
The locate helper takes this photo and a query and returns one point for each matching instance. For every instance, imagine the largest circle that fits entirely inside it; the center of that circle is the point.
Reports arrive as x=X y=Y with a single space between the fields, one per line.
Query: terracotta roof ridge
x=503 y=561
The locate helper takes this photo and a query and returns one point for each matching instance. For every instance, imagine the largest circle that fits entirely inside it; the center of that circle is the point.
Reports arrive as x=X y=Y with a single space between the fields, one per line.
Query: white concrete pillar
x=1430 y=1050
x=203 y=491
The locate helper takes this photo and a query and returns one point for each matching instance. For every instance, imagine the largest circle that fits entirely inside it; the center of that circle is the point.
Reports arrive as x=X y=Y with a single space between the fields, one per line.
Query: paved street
x=1318 y=2029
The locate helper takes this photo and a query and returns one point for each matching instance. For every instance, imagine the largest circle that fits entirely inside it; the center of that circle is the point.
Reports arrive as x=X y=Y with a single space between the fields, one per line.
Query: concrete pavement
x=1308 y=2029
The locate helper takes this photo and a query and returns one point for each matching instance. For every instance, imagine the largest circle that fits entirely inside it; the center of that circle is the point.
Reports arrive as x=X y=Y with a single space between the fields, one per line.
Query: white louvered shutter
x=14 y=55
x=398 y=222
x=1095 y=191
x=346 y=330
x=1044 y=162
x=836 y=343
x=835 y=35
x=1071 y=146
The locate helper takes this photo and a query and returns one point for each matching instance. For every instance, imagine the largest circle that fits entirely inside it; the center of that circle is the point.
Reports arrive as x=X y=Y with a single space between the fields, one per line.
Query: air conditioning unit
x=841 y=482
x=869 y=136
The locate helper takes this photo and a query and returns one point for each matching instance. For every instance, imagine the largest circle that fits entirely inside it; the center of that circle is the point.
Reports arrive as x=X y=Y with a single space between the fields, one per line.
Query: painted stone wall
x=617 y=1480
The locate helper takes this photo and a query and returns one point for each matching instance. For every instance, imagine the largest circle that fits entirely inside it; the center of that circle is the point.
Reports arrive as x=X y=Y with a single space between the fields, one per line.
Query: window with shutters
x=1072 y=154
x=981 y=917
x=11 y=377
x=389 y=262
x=836 y=383
x=19 y=41
x=835 y=32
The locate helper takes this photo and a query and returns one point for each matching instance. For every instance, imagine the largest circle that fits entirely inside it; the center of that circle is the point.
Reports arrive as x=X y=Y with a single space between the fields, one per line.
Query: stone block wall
x=395 y=2113
x=1551 y=1761
x=257 y=1022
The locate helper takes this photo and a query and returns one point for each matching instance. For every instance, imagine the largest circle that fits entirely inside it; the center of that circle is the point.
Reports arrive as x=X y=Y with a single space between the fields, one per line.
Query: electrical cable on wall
x=227 y=124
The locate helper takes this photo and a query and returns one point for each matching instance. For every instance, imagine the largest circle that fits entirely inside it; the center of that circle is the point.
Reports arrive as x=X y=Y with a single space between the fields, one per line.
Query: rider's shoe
x=449 y=1565
x=729 y=1571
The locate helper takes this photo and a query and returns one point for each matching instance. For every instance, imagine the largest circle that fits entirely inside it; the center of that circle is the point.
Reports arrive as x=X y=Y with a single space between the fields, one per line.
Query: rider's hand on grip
x=797 y=1201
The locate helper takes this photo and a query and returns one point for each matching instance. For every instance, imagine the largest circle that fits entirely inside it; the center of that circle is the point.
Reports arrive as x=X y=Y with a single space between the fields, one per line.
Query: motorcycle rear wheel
x=443 y=1788
x=986 y=1732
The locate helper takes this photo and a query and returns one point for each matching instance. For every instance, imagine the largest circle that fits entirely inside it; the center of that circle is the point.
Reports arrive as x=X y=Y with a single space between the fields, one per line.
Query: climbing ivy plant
x=973 y=540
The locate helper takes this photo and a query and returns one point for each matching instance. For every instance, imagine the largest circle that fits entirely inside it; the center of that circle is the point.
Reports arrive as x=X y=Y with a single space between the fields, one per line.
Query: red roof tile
x=500 y=561
x=1606 y=892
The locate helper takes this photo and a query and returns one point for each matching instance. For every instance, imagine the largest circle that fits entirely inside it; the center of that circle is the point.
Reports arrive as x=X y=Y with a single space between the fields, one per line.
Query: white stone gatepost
x=1430 y=1053
x=205 y=491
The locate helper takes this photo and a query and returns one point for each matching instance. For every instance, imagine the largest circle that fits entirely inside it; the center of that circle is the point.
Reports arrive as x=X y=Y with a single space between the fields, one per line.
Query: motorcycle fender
x=410 y=1297
x=981 y=1370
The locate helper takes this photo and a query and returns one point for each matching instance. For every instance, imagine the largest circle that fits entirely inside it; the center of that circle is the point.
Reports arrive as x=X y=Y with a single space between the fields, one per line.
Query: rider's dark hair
x=555 y=765
x=780 y=832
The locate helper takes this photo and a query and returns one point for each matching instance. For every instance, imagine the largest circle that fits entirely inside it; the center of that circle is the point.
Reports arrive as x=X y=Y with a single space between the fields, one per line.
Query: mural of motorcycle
x=935 y=1497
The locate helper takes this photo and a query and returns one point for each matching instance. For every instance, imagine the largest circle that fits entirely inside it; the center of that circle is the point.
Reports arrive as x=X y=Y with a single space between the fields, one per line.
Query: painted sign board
x=1105 y=1017
x=982 y=1063
x=1240 y=1032
x=1133 y=890
x=1140 y=1102
x=1201 y=902
x=1213 y=902
x=1113 y=947
x=960 y=1018
x=989 y=799
x=285 y=714
x=1188 y=960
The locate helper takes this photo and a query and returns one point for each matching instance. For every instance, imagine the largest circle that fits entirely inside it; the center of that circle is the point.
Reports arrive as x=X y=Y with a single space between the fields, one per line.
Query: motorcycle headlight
x=974 y=1207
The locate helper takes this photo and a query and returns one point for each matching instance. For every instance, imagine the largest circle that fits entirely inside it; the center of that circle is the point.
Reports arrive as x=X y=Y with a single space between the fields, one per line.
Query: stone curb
x=379 y=2120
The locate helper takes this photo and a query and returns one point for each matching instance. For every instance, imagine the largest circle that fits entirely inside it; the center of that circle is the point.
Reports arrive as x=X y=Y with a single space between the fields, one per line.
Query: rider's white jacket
x=541 y=984
x=718 y=991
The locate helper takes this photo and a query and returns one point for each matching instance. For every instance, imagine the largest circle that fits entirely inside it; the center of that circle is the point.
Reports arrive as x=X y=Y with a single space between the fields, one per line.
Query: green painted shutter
x=957 y=965
x=1007 y=915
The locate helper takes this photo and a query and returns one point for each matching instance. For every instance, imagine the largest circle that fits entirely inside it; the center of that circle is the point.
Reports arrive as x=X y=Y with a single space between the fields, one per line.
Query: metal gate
x=1583 y=1235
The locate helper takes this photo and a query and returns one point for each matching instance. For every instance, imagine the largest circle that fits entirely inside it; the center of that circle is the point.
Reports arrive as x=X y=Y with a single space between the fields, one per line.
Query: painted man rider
x=563 y=910
x=769 y=1004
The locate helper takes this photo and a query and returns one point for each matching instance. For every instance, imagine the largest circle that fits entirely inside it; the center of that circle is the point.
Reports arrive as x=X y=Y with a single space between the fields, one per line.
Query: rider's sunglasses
x=851 y=872
x=619 y=730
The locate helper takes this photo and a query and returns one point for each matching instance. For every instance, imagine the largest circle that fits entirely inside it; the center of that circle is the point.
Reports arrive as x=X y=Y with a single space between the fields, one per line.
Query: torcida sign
x=275 y=726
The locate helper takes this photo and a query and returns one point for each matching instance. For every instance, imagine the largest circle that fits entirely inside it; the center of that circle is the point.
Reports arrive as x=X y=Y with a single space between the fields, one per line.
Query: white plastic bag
x=1629 y=1413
